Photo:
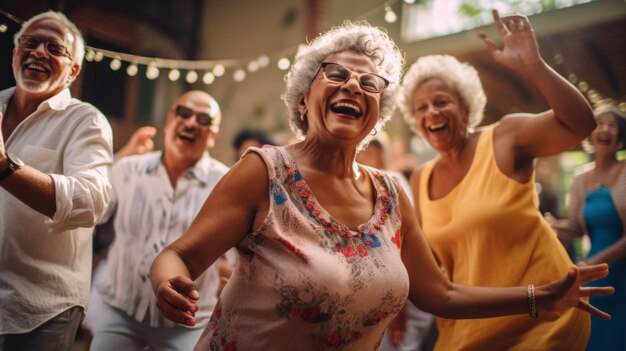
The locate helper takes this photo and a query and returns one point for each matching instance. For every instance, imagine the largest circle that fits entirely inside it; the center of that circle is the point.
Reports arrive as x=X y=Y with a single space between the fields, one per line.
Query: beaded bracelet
x=532 y=303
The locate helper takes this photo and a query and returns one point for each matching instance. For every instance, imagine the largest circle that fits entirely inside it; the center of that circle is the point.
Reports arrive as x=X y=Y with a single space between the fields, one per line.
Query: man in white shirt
x=157 y=195
x=55 y=157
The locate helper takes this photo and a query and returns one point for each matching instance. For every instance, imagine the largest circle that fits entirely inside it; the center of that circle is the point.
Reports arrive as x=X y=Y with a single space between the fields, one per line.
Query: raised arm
x=236 y=206
x=432 y=292
x=139 y=143
x=568 y=122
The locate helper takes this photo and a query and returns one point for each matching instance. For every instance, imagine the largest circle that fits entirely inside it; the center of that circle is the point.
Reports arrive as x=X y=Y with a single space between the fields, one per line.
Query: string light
x=219 y=70
x=253 y=66
x=89 y=55
x=213 y=68
x=239 y=75
x=98 y=56
x=173 y=75
x=283 y=63
x=208 y=78
x=132 y=69
x=152 y=72
x=409 y=1
x=263 y=60
x=116 y=64
x=390 y=16
x=191 y=77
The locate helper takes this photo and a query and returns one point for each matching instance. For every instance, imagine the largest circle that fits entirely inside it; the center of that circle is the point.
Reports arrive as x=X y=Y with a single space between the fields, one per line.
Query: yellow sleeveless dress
x=488 y=232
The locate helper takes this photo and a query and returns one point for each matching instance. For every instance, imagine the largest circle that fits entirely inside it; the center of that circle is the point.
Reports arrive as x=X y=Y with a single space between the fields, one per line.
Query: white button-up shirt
x=150 y=215
x=45 y=263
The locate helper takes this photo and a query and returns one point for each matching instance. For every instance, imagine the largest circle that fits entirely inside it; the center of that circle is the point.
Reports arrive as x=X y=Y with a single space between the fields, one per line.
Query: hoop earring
x=303 y=117
x=374 y=132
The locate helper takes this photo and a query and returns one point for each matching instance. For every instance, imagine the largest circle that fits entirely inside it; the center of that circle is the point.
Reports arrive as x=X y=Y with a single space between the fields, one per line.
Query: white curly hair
x=460 y=76
x=361 y=37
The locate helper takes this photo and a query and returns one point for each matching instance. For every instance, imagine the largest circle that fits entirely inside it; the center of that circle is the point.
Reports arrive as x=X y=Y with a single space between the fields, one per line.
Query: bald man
x=156 y=196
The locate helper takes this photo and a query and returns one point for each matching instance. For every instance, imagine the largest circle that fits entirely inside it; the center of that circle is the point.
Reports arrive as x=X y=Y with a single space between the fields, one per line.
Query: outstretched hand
x=519 y=45
x=177 y=300
x=569 y=292
x=140 y=142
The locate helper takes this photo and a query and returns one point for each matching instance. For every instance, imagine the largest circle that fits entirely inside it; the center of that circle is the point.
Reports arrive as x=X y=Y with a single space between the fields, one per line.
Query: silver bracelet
x=532 y=303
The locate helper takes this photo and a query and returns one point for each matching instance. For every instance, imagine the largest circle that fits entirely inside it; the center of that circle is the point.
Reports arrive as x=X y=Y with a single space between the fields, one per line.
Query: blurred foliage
x=474 y=8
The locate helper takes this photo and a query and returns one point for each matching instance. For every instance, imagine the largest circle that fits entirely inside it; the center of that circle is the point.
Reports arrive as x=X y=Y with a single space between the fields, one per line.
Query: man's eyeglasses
x=30 y=42
x=184 y=112
x=369 y=82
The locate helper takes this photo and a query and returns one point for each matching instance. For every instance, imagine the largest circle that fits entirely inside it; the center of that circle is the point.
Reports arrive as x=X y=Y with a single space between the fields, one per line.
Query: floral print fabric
x=304 y=280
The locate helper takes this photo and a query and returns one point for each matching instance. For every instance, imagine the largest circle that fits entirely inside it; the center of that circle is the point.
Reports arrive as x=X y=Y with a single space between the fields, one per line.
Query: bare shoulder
x=247 y=181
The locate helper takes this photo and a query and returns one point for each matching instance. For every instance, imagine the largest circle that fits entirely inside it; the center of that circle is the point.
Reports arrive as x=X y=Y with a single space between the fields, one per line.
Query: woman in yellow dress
x=476 y=201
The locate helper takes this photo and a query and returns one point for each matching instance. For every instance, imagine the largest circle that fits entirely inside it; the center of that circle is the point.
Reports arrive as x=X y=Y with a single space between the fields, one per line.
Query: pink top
x=304 y=281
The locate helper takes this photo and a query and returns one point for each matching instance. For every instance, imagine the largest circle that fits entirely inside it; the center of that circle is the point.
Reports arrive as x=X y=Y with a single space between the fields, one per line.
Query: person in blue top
x=598 y=209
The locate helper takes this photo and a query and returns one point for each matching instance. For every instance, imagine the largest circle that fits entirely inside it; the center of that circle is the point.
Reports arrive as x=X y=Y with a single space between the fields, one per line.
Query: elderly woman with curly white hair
x=476 y=202
x=327 y=247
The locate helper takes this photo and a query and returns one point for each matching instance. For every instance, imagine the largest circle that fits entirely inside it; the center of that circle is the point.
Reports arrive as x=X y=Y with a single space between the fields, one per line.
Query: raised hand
x=140 y=142
x=177 y=300
x=569 y=292
x=519 y=45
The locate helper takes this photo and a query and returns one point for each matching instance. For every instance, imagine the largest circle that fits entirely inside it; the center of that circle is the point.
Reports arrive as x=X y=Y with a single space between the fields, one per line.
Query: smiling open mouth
x=188 y=137
x=346 y=108
x=437 y=127
x=37 y=67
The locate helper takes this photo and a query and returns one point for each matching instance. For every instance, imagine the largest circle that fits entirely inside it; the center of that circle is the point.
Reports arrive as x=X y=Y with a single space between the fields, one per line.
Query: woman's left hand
x=519 y=48
x=569 y=292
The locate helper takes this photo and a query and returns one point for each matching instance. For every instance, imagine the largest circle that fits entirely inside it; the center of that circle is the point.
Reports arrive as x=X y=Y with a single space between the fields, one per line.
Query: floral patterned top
x=305 y=281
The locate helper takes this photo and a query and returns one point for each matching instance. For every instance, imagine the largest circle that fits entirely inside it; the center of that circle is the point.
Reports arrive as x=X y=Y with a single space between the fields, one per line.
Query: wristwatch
x=15 y=163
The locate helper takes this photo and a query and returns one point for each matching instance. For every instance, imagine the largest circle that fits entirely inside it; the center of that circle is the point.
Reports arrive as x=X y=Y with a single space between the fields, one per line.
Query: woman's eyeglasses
x=184 y=112
x=30 y=42
x=336 y=73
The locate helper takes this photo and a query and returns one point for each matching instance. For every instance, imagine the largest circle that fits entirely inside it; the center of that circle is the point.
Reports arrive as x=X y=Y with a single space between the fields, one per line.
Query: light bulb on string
x=132 y=70
x=98 y=56
x=263 y=61
x=116 y=64
x=208 y=78
x=3 y=28
x=283 y=63
x=390 y=16
x=89 y=55
x=191 y=77
x=173 y=75
x=219 y=70
x=152 y=72
x=409 y=1
x=253 y=66
x=239 y=75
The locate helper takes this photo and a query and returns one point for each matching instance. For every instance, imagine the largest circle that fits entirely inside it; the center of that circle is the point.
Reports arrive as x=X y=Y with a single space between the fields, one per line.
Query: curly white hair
x=361 y=37
x=460 y=76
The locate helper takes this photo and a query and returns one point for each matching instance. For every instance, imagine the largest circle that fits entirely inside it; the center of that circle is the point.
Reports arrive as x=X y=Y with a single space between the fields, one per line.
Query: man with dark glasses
x=156 y=195
x=55 y=157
